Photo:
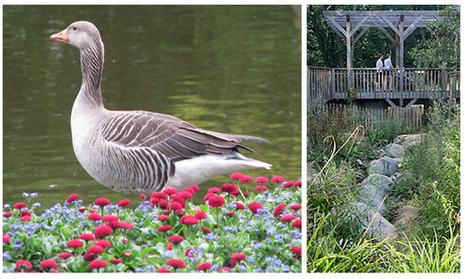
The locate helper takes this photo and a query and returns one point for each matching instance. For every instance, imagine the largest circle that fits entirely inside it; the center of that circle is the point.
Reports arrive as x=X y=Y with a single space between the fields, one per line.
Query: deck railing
x=368 y=83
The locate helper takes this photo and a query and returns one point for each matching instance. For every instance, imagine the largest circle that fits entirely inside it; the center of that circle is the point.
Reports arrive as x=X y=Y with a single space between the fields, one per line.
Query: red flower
x=187 y=253
x=175 y=239
x=238 y=256
x=115 y=261
x=205 y=229
x=164 y=228
x=96 y=264
x=75 y=243
x=224 y=268
x=26 y=218
x=254 y=207
x=87 y=237
x=48 y=264
x=239 y=206
x=65 y=255
x=170 y=191
x=20 y=205
x=279 y=209
x=236 y=175
x=125 y=202
x=296 y=250
x=163 y=270
x=127 y=253
x=176 y=263
x=7 y=214
x=103 y=243
x=159 y=195
x=287 y=218
x=297 y=223
x=94 y=217
x=216 y=201
x=204 y=266
x=190 y=190
x=295 y=207
x=96 y=249
x=184 y=217
x=125 y=225
x=110 y=218
x=89 y=257
x=195 y=187
x=261 y=179
x=23 y=265
x=208 y=196
x=6 y=238
x=169 y=247
x=191 y=221
x=72 y=198
x=124 y=241
x=297 y=183
x=25 y=213
x=102 y=231
x=163 y=217
x=200 y=215
x=92 y=211
x=230 y=213
x=185 y=195
x=288 y=184
x=176 y=207
x=102 y=202
x=228 y=188
x=213 y=190
x=277 y=179
x=82 y=209
x=246 y=178
x=261 y=188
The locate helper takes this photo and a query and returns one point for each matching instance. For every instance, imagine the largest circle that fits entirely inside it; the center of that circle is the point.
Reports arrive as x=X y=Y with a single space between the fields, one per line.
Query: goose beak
x=61 y=37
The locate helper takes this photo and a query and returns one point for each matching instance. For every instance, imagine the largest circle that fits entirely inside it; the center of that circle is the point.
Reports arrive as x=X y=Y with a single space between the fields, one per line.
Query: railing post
x=333 y=83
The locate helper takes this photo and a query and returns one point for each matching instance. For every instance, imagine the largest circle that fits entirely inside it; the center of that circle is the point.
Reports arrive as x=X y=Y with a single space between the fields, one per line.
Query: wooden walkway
x=407 y=84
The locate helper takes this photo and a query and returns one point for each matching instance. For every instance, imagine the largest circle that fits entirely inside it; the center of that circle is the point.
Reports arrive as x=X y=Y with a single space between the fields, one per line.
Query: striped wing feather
x=176 y=139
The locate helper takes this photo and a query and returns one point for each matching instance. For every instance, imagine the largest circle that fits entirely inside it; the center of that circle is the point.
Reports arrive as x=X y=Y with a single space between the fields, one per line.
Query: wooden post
x=349 y=54
x=401 y=60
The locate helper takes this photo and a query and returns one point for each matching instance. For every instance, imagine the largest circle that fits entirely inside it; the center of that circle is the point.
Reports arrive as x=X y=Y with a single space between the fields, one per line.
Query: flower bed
x=232 y=232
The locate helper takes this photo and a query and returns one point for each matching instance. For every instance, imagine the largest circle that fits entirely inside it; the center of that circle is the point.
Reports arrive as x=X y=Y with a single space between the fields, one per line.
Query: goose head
x=81 y=34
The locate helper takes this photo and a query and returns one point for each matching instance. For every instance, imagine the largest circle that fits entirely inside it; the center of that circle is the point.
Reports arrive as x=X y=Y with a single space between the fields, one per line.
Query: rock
x=381 y=182
x=384 y=166
x=379 y=228
x=394 y=150
x=408 y=141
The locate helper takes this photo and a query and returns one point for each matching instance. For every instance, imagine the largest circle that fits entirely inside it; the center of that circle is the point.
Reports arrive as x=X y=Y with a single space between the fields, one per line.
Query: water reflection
x=234 y=69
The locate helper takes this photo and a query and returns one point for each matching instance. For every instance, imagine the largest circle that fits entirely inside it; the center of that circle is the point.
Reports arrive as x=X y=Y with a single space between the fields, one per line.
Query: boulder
x=375 y=224
x=394 y=150
x=384 y=166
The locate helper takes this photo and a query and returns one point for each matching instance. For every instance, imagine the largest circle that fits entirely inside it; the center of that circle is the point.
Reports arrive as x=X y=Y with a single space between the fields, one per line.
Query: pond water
x=233 y=69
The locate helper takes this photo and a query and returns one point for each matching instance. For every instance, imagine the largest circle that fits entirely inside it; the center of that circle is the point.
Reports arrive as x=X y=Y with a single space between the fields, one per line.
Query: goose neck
x=92 y=69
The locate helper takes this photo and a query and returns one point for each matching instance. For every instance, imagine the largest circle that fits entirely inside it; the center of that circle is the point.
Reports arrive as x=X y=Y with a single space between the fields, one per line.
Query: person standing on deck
x=388 y=66
x=379 y=72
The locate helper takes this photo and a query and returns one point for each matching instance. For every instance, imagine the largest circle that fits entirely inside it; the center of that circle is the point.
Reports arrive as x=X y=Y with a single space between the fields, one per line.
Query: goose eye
x=74 y=28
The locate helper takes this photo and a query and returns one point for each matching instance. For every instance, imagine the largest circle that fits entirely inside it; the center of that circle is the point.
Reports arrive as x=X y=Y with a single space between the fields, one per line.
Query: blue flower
x=270 y=231
x=25 y=195
x=150 y=268
x=278 y=262
x=259 y=270
x=214 y=267
x=242 y=268
x=6 y=206
x=168 y=254
x=6 y=257
x=285 y=268
x=18 y=246
x=34 y=195
x=251 y=259
x=269 y=259
x=138 y=270
x=211 y=237
x=257 y=245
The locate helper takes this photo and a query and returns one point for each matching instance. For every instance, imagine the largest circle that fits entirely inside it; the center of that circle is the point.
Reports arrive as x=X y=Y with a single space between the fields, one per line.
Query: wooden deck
x=412 y=83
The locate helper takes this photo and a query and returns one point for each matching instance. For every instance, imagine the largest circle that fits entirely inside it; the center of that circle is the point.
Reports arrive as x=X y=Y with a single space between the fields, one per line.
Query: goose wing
x=171 y=136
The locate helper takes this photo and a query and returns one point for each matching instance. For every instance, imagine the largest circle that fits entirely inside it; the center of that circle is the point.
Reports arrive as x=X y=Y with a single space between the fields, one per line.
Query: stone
x=373 y=222
x=394 y=150
x=384 y=166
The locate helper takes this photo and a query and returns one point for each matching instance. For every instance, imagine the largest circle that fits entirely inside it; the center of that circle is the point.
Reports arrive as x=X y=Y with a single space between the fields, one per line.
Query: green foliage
x=385 y=132
x=442 y=50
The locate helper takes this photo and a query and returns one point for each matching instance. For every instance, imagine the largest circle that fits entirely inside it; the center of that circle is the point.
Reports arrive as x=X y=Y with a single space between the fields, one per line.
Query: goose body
x=141 y=152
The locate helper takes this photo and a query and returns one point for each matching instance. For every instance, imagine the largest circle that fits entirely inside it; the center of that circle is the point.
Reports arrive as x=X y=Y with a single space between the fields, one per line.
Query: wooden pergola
x=403 y=23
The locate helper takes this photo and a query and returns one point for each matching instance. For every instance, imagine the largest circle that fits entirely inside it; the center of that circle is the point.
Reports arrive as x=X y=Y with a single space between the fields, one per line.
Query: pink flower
x=125 y=225
x=170 y=191
x=96 y=249
x=19 y=205
x=277 y=179
x=86 y=237
x=176 y=239
x=23 y=265
x=200 y=215
x=102 y=231
x=110 y=218
x=97 y=264
x=26 y=218
x=190 y=190
x=195 y=187
x=163 y=217
x=176 y=207
x=239 y=206
x=103 y=243
x=261 y=188
x=6 y=238
x=295 y=207
x=160 y=195
x=72 y=198
x=229 y=188
x=163 y=270
x=288 y=184
x=102 y=202
x=216 y=201
x=115 y=261
x=176 y=263
x=65 y=255
x=279 y=209
x=185 y=195
x=189 y=220
x=208 y=196
x=123 y=203
x=237 y=175
x=213 y=190
x=246 y=178
x=75 y=243
x=205 y=229
x=224 y=268
x=261 y=179
x=297 y=183
x=7 y=214
x=204 y=266
x=254 y=207
x=287 y=218
x=296 y=250
x=48 y=264
x=238 y=256
x=164 y=228
x=297 y=223
x=94 y=217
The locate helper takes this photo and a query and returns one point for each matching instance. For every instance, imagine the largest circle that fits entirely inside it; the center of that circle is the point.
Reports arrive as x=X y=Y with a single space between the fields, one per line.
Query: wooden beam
x=389 y=23
x=411 y=103
x=390 y=103
x=387 y=34
x=338 y=27
x=349 y=53
x=352 y=32
x=412 y=27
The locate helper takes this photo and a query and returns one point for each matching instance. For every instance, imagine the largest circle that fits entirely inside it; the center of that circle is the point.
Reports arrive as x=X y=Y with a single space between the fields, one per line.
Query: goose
x=141 y=152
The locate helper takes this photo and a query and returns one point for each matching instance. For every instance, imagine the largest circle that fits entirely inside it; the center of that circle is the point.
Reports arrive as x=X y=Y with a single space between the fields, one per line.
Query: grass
x=229 y=233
